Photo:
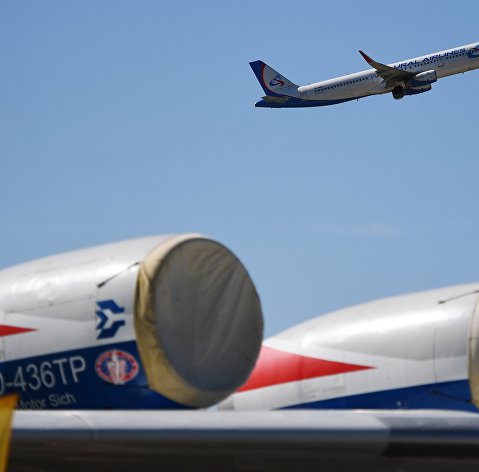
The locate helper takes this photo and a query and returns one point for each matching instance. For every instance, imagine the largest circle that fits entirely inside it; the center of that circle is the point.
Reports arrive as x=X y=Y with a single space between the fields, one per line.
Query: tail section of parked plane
x=273 y=82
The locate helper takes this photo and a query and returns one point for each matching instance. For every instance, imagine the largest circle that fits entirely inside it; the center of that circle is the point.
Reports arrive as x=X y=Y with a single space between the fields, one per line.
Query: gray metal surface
x=262 y=441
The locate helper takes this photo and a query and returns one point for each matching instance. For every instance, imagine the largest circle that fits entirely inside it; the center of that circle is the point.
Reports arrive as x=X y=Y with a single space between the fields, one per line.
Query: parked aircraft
x=416 y=351
x=159 y=322
x=174 y=322
x=407 y=77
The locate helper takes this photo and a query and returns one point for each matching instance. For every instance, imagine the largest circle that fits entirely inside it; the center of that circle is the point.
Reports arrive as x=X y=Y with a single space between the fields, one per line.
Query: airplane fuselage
x=77 y=330
x=416 y=351
x=369 y=82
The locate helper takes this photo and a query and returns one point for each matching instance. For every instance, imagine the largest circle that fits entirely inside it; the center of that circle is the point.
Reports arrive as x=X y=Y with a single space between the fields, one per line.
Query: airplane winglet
x=366 y=57
x=388 y=73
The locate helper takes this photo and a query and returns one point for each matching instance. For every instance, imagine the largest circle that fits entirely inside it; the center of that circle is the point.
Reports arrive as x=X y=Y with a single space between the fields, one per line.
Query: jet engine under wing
x=389 y=74
x=360 y=440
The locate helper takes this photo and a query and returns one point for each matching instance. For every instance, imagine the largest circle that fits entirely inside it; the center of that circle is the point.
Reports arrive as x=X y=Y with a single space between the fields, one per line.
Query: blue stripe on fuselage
x=447 y=395
x=69 y=380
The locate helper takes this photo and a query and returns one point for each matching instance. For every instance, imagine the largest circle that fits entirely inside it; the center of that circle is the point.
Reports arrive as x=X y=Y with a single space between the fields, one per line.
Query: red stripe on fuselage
x=276 y=367
x=6 y=330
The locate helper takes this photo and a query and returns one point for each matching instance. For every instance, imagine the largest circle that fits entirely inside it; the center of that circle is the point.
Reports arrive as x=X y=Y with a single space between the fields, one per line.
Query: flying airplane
x=100 y=343
x=408 y=77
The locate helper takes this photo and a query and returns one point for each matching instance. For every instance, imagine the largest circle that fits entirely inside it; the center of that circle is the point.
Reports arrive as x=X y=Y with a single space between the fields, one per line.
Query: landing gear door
x=474 y=356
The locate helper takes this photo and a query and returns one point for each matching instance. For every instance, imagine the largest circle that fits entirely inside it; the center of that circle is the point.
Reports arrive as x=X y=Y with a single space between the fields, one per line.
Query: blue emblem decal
x=277 y=81
x=106 y=326
x=473 y=53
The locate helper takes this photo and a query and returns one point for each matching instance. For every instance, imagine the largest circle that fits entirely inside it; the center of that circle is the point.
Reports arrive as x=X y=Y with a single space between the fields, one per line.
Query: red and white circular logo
x=116 y=367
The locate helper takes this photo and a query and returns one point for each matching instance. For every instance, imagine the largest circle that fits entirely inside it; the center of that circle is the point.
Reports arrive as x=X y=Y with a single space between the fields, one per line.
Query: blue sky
x=123 y=119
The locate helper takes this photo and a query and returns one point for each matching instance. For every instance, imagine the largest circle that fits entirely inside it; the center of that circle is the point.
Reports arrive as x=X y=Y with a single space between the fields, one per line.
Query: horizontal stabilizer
x=274 y=99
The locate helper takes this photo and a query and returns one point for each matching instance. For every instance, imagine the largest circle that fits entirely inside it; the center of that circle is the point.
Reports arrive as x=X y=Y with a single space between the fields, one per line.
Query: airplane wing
x=389 y=74
x=282 y=440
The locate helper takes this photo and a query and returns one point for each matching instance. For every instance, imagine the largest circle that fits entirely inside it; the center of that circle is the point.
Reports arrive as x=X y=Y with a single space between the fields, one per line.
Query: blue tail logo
x=276 y=81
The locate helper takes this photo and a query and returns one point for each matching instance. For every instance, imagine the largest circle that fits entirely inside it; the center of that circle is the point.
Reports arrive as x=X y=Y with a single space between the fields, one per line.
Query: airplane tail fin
x=272 y=82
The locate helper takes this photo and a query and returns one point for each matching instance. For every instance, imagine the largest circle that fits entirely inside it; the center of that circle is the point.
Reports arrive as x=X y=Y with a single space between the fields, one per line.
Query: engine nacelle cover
x=197 y=321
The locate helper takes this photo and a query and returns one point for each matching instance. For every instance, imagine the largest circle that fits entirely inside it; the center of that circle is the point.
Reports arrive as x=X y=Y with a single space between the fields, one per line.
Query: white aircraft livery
x=103 y=340
x=69 y=337
x=414 y=351
x=408 y=77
